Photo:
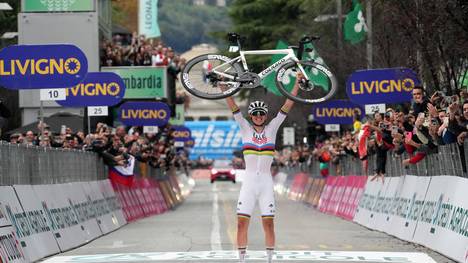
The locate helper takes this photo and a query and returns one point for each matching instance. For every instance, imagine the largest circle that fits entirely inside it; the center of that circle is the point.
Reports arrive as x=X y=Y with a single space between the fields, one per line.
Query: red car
x=222 y=170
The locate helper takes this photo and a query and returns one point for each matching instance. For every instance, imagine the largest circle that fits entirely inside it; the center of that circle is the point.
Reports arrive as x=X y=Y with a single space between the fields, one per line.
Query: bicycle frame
x=289 y=56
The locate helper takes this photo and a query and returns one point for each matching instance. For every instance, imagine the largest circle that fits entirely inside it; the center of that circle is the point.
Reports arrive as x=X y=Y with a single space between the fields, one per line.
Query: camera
x=383 y=126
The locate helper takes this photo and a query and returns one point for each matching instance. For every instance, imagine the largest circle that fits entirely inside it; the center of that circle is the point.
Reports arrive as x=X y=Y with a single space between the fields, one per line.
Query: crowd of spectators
x=411 y=131
x=115 y=145
x=136 y=50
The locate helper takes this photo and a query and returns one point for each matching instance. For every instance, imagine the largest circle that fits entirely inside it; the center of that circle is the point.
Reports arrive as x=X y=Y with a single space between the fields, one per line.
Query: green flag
x=269 y=80
x=355 y=27
x=317 y=77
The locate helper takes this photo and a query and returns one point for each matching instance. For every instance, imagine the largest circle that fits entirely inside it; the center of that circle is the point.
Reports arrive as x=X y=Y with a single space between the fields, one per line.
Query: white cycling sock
x=242 y=254
x=270 y=251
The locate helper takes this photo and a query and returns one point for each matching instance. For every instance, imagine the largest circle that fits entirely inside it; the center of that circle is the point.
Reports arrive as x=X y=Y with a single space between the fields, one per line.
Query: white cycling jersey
x=258 y=149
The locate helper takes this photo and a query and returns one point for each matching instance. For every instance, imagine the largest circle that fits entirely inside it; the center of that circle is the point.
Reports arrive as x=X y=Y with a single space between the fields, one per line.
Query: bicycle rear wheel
x=321 y=86
x=199 y=78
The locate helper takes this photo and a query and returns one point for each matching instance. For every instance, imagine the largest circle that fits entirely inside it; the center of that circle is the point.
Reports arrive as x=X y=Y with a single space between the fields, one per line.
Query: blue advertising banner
x=381 y=85
x=144 y=113
x=181 y=133
x=42 y=66
x=97 y=89
x=214 y=139
x=337 y=112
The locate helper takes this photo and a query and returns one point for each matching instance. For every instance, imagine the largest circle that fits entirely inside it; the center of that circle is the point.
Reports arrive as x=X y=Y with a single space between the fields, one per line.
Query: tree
x=8 y=23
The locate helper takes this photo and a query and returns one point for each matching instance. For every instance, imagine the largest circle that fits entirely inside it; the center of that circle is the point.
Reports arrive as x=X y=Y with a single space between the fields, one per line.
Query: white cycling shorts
x=257 y=188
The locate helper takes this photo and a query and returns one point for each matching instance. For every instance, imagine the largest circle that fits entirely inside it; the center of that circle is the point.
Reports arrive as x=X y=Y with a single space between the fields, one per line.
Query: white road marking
x=215 y=230
x=333 y=256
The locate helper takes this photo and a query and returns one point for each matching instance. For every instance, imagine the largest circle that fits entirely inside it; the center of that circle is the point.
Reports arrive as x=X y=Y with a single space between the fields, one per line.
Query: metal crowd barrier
x=21 y=164
x=448 y=160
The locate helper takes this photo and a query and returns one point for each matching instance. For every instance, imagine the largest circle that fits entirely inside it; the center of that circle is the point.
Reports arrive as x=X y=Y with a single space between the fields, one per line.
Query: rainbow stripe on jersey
x=265 y=149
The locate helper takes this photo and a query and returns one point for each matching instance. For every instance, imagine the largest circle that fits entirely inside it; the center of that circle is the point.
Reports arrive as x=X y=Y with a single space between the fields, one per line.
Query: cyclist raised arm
x=258 y=141
x=289 y=103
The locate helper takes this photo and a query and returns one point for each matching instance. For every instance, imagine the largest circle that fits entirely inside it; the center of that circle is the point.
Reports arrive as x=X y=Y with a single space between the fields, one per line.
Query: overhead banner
x=148 y=18
x=337 y=112
x=42 y=66
x=144 y=113
x=381 y=85
x=214 y=139
x=181 y=133
x=97 y=89
x=142 y=82
x=58 y=6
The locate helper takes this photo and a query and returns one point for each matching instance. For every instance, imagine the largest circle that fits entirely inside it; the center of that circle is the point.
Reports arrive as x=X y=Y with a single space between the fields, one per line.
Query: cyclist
x=258 y=141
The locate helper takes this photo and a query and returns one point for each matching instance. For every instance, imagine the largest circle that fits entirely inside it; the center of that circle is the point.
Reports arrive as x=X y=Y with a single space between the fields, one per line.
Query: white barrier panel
x=8 y=198
x=376 y=208
x=408 y=206
x=364 y=213
x=443 y=221
x=107 y=191
x=389 y=200
x=33 y=226
x=64 y=222
x=107 y=220
x=10 y=248
x=85 y=209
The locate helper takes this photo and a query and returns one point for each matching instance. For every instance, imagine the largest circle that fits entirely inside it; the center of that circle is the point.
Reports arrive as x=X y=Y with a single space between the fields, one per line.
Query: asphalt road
x=203 y=229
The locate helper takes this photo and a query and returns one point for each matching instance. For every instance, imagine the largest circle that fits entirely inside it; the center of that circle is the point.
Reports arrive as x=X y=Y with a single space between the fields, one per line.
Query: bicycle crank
x=249 y=80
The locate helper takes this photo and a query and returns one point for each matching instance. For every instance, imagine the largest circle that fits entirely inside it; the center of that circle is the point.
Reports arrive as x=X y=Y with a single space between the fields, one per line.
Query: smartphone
x=62 y=129
x=421 y=115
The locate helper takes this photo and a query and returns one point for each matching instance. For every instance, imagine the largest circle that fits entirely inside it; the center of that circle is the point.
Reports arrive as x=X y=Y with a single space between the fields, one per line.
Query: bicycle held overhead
x=202 y=75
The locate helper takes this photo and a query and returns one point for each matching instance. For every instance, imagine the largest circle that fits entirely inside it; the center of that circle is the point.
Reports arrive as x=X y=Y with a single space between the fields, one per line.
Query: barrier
x=31 y=224
x=10 y=248
x=105 y=189
x=51 y=206
x=107 y=219
x=429 y=207
x=443 y=220
x=38 y=165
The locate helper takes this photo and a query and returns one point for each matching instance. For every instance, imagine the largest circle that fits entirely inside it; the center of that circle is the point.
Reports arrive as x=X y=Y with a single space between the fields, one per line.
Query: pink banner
x=143 y=198
x=336 y=195
x=341 y=195
x=298 y=185
x=327 y=193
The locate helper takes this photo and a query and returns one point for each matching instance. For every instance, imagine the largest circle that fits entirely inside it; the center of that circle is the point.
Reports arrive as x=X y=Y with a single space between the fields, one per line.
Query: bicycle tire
x=283 y=69
x=198 y=93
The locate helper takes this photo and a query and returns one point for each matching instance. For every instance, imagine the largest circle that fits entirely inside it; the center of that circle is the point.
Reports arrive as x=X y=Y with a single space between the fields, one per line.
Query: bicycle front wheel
x=321 y=86
x=201 y=77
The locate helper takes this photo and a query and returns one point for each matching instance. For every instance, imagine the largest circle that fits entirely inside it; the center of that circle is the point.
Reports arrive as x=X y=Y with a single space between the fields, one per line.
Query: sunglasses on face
x=258 y=113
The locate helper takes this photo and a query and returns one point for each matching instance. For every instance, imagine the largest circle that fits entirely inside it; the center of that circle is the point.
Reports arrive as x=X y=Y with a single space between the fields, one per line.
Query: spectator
x=420 y=101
